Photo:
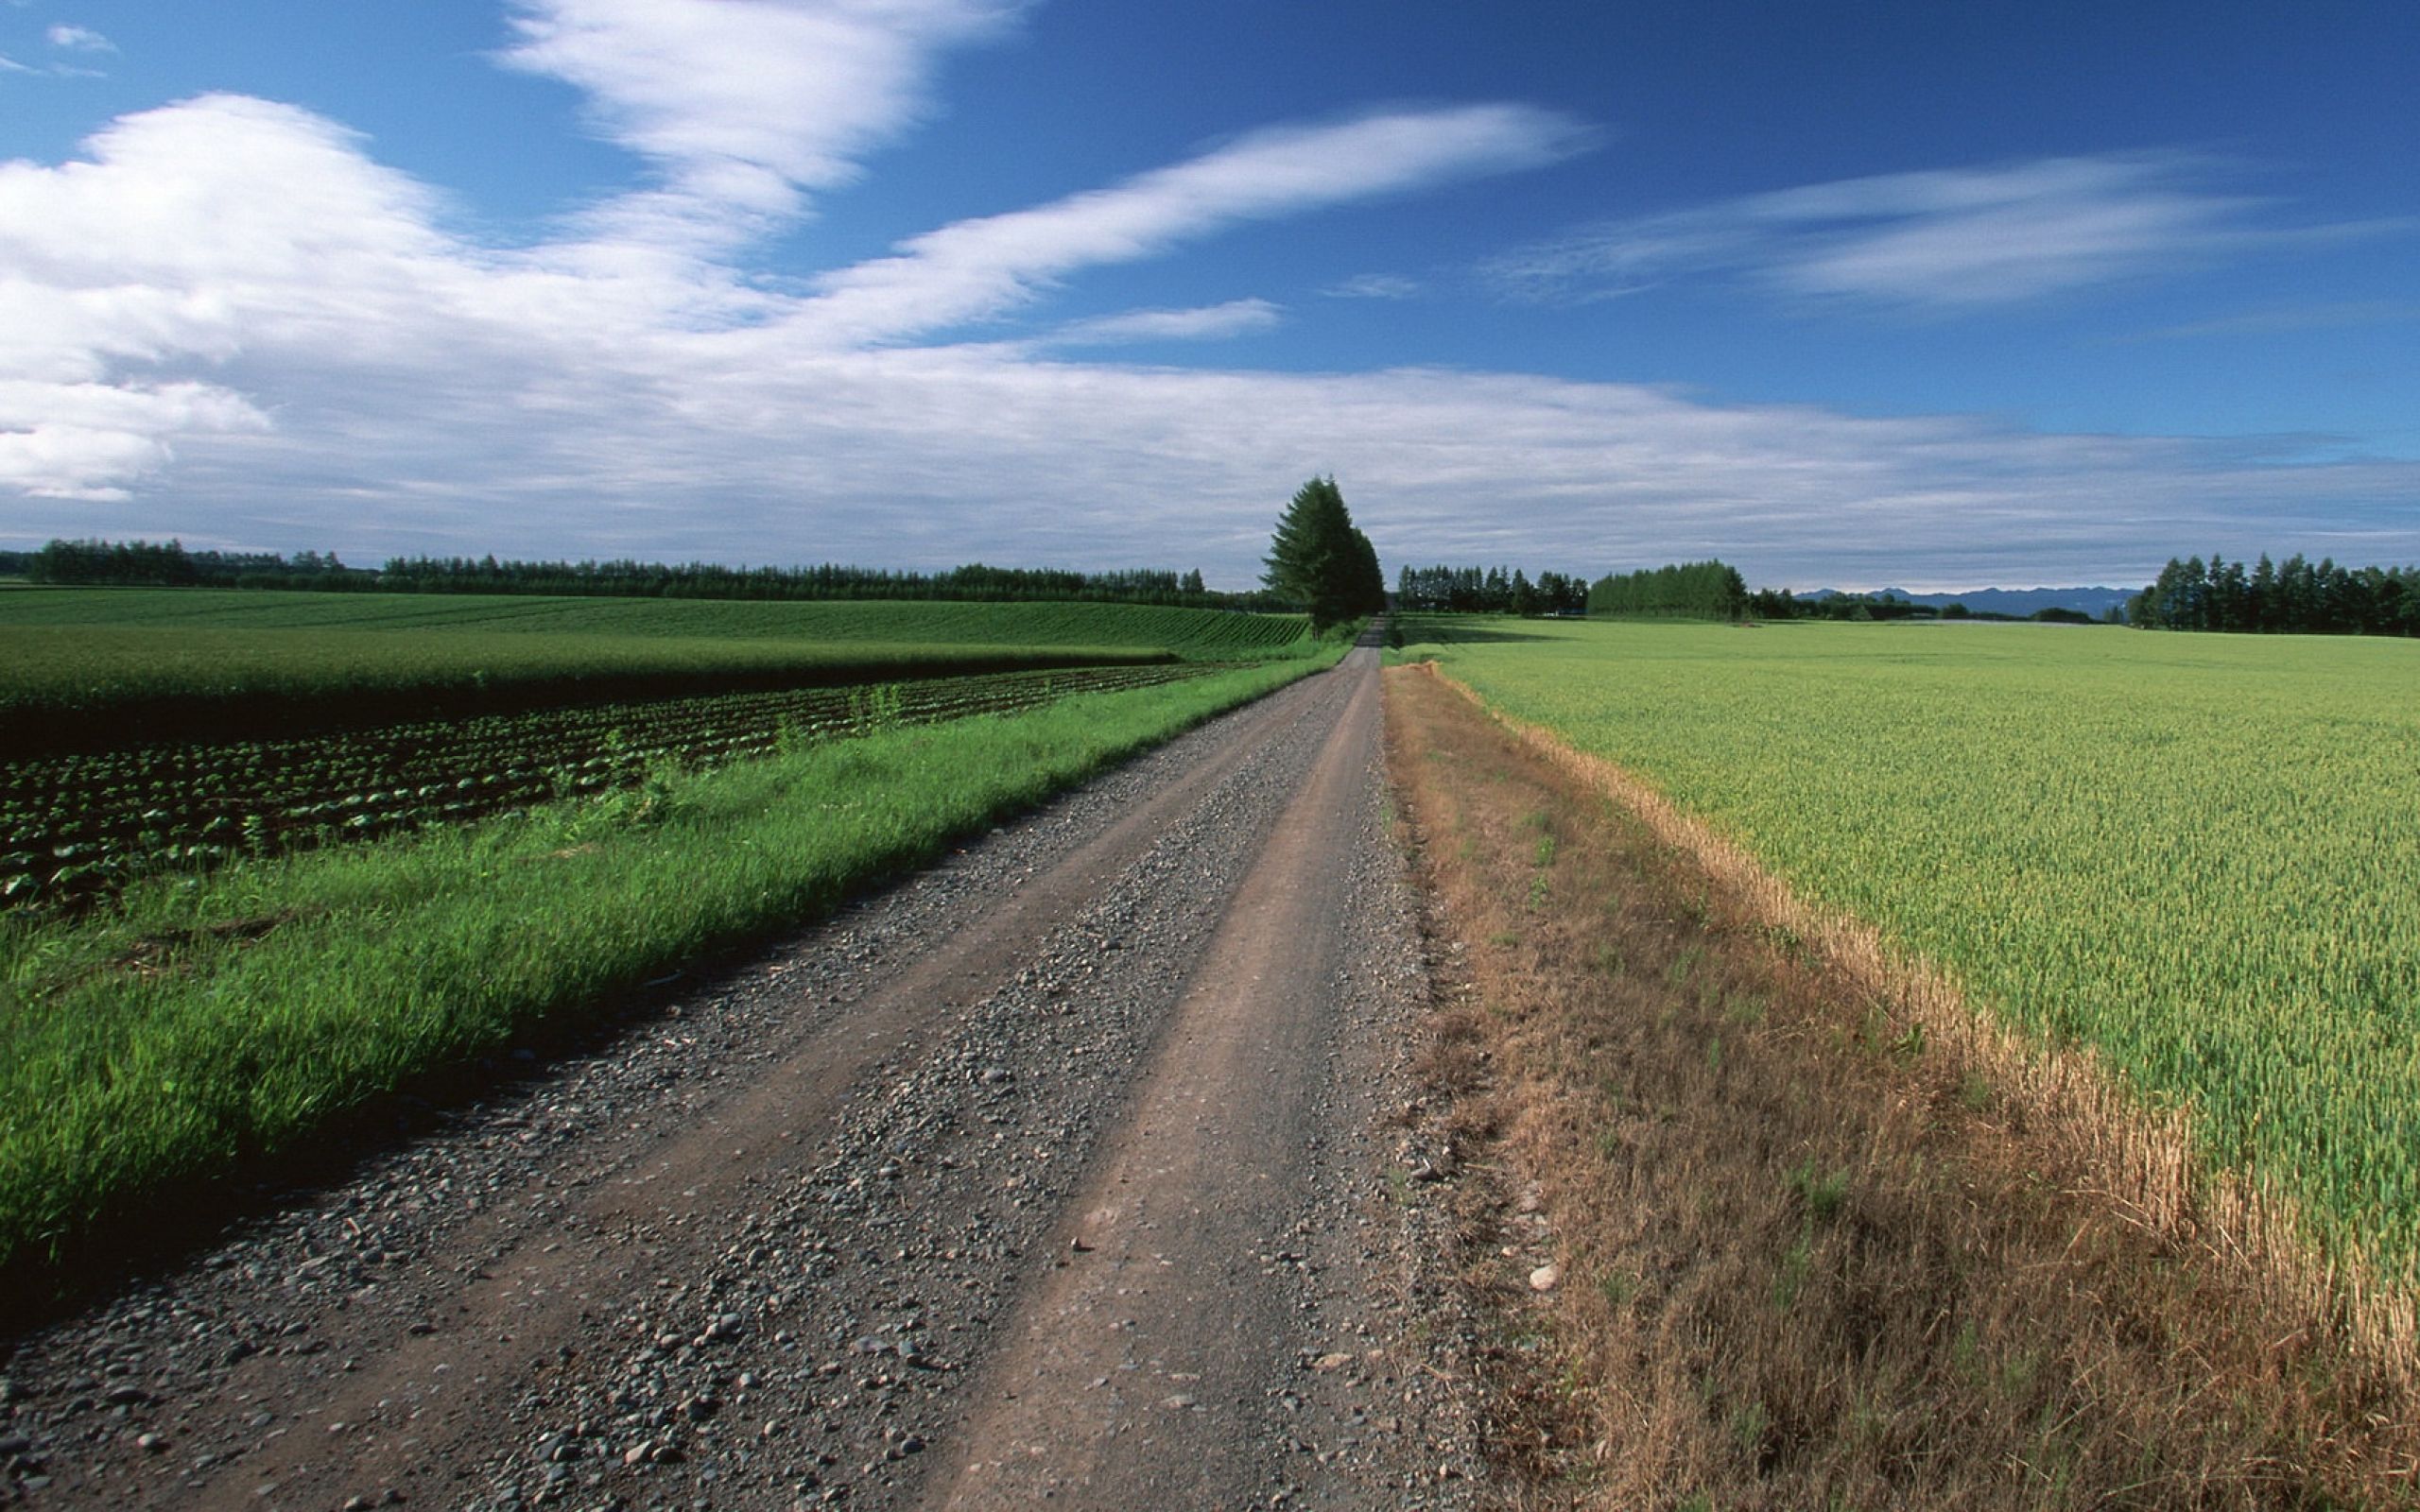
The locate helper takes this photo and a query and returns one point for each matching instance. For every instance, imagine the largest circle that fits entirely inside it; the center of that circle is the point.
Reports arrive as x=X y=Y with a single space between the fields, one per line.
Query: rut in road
x=1074 y=1144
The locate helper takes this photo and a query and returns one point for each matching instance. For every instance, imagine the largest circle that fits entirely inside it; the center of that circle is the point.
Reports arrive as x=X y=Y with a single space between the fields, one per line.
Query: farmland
x=94 y=668
x=74 y=827
x=244 y=979
x=881 y=622
x=2190 y=854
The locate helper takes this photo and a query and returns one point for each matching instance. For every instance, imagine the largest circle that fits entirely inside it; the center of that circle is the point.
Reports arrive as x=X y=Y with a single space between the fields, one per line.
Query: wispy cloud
x=1209 y=323
x=743 y=106
x=982 y=268
x=1949 y=239
x=2333 y=317
x=78 y=40
x=1374 y=287
x=228 y=323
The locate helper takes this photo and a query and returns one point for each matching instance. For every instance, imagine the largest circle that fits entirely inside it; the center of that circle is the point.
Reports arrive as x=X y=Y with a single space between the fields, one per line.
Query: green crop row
x=1219 y=634
x=147 y=1048
x=90 y=669
x=76 y=827
x=2193 y=853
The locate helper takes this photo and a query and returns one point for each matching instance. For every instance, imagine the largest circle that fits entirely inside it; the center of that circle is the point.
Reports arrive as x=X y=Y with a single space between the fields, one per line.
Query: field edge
x=2149 y=1156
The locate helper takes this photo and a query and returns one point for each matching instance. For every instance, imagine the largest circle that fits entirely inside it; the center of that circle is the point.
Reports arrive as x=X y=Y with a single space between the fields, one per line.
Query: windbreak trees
x=1709 y=589
x=1318 y=560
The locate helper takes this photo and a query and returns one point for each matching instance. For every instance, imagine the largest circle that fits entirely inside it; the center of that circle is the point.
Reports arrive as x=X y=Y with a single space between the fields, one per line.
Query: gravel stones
x=638 y=1279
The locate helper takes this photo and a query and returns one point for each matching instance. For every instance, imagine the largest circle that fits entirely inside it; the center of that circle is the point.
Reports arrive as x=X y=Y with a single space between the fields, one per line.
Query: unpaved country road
x=1067 y=1169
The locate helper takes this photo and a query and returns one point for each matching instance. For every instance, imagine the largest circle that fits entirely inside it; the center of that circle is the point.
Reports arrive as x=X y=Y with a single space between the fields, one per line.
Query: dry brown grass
x=1816 y=1250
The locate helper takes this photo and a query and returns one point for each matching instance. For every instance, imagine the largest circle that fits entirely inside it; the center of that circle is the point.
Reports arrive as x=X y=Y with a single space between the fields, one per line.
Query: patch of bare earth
x=1753 y=1239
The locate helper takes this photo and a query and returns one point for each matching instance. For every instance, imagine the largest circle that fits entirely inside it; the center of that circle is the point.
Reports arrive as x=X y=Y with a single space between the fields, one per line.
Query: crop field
x=207 y=1017
x=1218 y=634
x=77 y=827
x=2193 y=854
x=95 y=669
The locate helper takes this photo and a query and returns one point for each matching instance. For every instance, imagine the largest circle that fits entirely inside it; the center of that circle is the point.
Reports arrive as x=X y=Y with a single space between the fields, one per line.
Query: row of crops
x=2194 y=854
x=77 y=828
x=1217 y=634
x=95 y=669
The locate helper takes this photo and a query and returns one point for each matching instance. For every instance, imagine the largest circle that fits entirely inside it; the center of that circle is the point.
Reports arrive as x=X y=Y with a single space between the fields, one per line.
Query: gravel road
x=1070 y=1167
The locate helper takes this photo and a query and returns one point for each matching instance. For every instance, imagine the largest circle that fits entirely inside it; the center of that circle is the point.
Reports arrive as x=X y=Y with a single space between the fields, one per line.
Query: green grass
x=228 y=1016
x=2194 y=853
x=88 y=669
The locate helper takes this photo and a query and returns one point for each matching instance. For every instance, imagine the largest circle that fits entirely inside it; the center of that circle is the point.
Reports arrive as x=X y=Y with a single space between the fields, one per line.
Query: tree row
x=169 y=564
x=1443 y=590
x=2294 y=597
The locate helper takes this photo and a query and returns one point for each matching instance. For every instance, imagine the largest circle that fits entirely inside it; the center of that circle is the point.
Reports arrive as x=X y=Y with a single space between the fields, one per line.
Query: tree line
x=1443 y=590
x=1710 y=590
x=629 y=579
x=2292 y=597
x=169 y=564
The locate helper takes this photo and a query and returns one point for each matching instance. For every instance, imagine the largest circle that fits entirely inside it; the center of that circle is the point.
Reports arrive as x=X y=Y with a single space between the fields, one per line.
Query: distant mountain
x=2018 y=602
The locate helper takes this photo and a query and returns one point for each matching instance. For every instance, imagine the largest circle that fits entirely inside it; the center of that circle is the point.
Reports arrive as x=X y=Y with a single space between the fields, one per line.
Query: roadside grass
x=1835 y=1264
x=210 y=1020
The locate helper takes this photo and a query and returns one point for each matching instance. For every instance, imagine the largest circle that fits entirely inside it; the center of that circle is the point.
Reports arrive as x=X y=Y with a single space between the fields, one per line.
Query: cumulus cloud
x=1947 y=239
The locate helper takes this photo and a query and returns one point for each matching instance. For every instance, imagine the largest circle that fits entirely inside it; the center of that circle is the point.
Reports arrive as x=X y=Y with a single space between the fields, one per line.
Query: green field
x=1205 y=632
x=95 y=668
x=2195 y=854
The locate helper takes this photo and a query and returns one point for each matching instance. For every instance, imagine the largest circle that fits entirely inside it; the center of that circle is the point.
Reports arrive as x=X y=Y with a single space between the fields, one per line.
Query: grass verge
x=1804 y=1255
x=211 y=1021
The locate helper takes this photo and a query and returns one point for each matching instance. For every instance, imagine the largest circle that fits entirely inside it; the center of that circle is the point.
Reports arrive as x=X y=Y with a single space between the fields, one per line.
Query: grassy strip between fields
x=222 y=1018
x=1754 y=1240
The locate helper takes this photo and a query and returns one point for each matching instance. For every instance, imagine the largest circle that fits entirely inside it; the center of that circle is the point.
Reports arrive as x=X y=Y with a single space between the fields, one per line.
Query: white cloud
x=229 y=323
x=742 y=105
x=1949 y=239
x=1209 y=323
x=981 y=267
x=78 y=40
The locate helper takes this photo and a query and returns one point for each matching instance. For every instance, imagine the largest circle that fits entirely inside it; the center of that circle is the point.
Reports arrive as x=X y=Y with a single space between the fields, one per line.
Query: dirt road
x=1064 y=1169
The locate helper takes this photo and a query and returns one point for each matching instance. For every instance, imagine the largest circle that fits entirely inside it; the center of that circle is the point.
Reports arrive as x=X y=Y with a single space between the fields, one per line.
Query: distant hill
x=2015 y=602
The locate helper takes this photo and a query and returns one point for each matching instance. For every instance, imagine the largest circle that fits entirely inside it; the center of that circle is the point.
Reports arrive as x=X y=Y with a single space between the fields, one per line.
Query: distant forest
x=141 y=563
x=1696 y=590
x=1488 y=591
x=2294 y=597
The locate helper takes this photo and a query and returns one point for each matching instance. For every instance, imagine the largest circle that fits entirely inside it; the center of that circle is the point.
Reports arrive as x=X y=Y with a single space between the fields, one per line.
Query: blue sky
x=1936 y=296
